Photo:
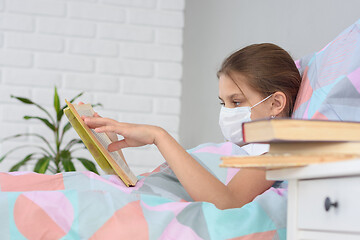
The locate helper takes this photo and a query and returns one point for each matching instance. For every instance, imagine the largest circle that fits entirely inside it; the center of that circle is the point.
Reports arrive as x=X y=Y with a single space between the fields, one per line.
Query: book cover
x=96 y=143
x=287 y=129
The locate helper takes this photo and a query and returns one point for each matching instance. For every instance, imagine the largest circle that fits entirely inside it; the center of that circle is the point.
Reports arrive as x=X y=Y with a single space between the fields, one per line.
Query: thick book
x=274 y=161
x=314 y=148
x=291 y=154
x=97 y=143
x=288 y=129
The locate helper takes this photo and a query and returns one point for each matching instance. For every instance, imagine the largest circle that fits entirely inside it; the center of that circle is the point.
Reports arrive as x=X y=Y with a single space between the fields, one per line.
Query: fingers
x=104 y=129
x=81 y=103
x=103 y=124
x=113 y=136
x=97 y=121
x=117 y=145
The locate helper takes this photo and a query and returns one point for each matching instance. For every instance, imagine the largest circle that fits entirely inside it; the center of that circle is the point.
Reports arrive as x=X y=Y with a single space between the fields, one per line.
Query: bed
x=84 y=205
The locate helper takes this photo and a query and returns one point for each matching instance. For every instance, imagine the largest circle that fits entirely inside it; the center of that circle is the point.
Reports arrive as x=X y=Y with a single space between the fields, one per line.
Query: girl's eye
x=222 y=104
x=236 y=103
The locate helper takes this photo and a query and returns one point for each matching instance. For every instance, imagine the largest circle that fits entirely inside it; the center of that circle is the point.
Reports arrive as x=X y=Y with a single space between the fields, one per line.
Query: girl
x=256 y=82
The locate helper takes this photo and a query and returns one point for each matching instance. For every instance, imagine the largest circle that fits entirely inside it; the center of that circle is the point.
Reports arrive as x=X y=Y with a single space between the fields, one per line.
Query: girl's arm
x=197 y=181
x=203 y=186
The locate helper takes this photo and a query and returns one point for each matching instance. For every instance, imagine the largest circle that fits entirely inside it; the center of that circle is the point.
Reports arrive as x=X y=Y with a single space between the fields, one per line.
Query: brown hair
x=268 y=69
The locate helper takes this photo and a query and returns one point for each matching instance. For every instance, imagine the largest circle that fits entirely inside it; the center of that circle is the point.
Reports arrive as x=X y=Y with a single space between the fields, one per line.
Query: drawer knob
x=328 y=204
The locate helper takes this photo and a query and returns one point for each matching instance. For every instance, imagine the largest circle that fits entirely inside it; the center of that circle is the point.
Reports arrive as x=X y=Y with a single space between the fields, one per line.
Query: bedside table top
x=321 y=170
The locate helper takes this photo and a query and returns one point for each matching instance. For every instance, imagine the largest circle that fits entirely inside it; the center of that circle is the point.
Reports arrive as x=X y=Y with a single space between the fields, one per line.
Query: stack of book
x=295 y=142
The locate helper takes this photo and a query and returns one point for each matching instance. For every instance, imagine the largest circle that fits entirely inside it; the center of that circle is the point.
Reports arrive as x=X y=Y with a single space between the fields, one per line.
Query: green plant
x=56 y=157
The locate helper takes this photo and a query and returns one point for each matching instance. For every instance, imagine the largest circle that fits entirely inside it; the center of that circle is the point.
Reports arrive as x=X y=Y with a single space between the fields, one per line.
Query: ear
x=278 y=104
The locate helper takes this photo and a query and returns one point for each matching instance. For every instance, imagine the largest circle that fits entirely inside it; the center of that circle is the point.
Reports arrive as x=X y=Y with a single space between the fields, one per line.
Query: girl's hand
x=135 y=135
x=113 y=136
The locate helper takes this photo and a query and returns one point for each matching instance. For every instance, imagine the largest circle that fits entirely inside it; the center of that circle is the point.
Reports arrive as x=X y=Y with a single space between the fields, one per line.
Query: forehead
x=229 y=85
x=235 y=84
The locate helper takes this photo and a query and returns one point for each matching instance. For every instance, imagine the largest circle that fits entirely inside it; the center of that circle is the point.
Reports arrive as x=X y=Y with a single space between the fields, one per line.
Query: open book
x=97 y=143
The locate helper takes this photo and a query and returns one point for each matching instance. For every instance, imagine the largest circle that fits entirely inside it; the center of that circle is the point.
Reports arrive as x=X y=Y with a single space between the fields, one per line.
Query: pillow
x=330 y=87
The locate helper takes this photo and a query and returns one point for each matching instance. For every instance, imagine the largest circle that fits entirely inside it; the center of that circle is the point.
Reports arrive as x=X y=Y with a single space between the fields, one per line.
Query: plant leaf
x=3 y=157
x=12 y=137
x=51 y=168
x=72 y=100
x=29 y=134
x=66 y=128
x=44 y=120
x=76 y=97
x=17 y=148
x=22 y=99
x=28 y=101
x=89 y=165
x=96 y=104
x=21 y=163
x=66 y=159
x=57 y=104
x=72 y=143
x=42 y=165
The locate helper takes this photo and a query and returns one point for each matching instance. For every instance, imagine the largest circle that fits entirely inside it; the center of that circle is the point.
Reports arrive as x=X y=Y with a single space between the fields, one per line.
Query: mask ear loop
x=262 y=101
x=245 y=95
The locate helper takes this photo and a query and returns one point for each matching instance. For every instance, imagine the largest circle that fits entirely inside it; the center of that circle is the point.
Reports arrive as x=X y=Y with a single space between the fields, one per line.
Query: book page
x=87 y=110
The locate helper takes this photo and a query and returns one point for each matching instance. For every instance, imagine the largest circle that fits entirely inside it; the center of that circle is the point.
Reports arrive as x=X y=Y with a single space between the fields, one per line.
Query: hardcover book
x=296 y=142
x=97 y=143
x=288 y=129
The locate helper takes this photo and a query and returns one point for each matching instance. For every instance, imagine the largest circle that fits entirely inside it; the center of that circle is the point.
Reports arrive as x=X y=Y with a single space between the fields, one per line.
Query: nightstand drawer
x=340 y=195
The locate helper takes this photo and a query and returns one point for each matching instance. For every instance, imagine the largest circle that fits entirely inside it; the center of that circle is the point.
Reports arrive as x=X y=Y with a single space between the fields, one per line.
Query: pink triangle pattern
x=354 y=78
x=257 y=236
x=175 y=207
x=115 y=181
x=33 y=222
x=63 y=215
x=305 y=91
x=126 y=223
x=224 y=149
x=279 y=191
x=231 y=172
x=319 y=116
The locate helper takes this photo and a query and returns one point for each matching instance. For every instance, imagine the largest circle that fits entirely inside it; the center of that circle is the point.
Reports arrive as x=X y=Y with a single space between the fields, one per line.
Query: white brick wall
x=125 y=54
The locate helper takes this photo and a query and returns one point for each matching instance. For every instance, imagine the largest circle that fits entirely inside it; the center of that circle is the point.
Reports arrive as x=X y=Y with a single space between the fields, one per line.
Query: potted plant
x=58 y=156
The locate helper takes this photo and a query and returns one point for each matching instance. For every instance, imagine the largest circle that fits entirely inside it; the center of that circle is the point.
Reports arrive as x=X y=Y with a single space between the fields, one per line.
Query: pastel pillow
x=330 y=87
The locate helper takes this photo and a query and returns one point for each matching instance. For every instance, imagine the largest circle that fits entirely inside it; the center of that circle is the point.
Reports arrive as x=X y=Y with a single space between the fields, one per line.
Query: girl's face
x=234 y=95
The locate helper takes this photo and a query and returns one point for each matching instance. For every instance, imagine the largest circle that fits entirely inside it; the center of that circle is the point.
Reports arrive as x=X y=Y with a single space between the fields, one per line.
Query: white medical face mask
x=231 y=120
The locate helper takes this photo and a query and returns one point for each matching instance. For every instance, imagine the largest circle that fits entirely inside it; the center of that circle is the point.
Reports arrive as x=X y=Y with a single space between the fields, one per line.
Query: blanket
x=84 y=205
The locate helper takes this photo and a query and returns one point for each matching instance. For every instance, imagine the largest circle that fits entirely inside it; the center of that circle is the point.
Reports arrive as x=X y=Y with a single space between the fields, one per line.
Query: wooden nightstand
x=323 y=200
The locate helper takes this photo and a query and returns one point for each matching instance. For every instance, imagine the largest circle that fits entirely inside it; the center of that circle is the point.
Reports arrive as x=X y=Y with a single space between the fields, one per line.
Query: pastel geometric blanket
x=83 y=205
x=330 y=88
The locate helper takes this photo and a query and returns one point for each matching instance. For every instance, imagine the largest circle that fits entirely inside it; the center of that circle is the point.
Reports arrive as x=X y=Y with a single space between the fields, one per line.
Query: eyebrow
x=232 y=96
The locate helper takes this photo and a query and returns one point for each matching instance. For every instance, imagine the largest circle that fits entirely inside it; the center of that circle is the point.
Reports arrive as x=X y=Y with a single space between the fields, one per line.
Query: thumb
x=117 y=145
